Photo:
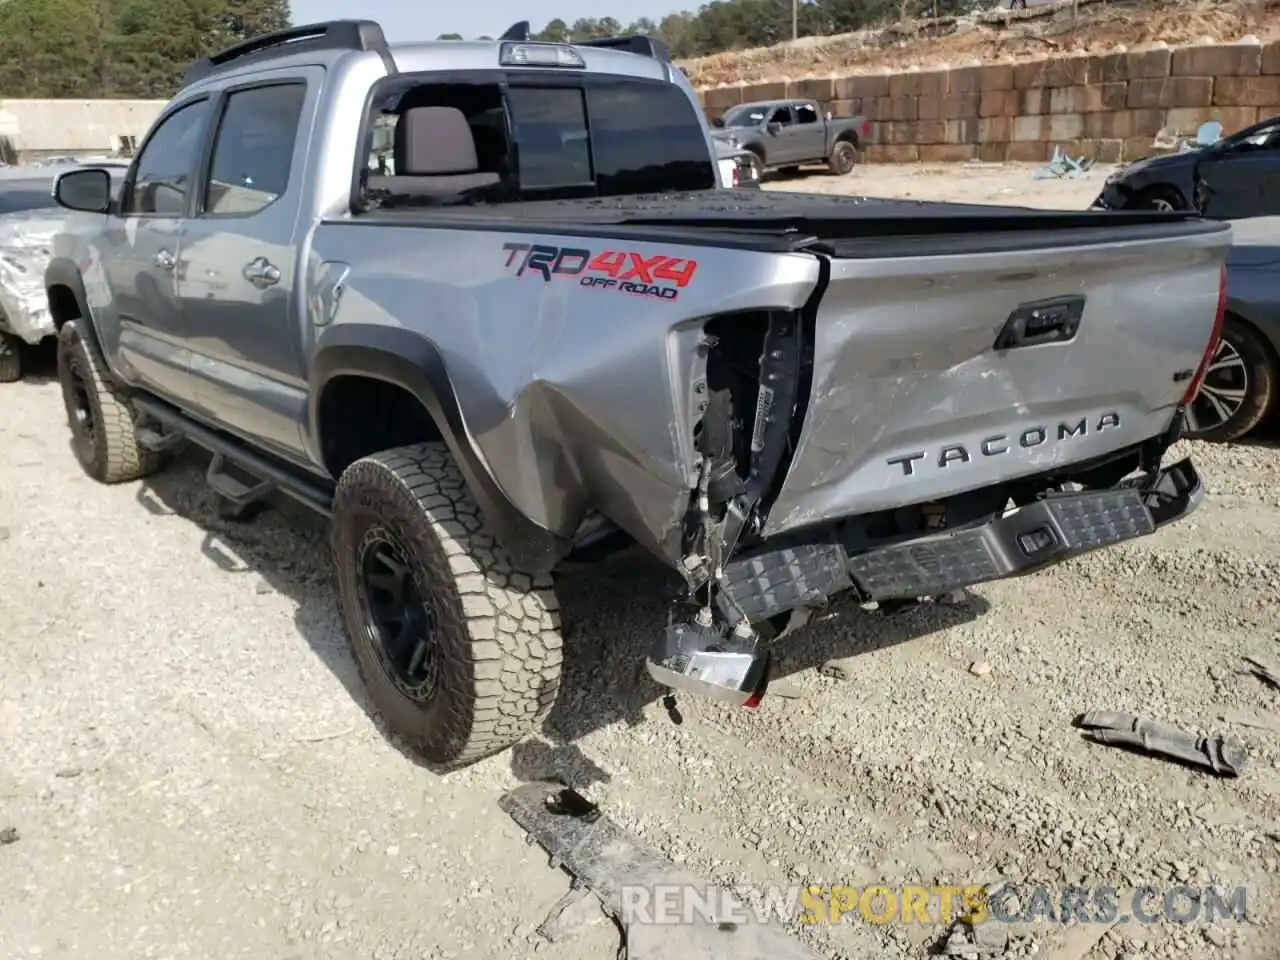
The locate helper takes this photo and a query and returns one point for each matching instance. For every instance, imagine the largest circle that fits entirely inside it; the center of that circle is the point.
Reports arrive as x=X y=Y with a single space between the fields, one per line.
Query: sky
x=405 y=20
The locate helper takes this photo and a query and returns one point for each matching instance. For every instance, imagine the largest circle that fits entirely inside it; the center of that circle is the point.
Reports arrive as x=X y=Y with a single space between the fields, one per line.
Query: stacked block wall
x=1105 y=106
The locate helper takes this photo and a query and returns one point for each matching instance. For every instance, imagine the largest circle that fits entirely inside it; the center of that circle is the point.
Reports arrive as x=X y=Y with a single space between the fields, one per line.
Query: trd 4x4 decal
x=661 y=277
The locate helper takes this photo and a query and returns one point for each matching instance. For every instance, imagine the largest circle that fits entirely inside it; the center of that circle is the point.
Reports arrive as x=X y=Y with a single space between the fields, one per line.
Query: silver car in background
x=29 y=218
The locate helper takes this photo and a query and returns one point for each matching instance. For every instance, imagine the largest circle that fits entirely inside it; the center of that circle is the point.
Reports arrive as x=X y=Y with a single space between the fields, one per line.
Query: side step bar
x=176 y=426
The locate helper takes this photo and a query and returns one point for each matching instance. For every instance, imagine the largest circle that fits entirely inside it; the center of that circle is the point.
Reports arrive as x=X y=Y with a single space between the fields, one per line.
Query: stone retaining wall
x=1105 y=106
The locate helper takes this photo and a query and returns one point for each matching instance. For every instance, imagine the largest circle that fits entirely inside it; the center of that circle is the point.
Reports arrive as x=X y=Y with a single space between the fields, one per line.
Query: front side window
x=163 y=179
x=781 y=115
x=253 y=151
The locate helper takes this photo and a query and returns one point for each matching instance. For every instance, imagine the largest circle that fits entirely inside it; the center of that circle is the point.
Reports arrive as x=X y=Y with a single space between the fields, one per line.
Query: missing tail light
x=1194 y=386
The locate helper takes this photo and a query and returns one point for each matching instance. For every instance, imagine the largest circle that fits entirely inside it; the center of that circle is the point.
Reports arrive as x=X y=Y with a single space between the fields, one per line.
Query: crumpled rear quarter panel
x=576 y=396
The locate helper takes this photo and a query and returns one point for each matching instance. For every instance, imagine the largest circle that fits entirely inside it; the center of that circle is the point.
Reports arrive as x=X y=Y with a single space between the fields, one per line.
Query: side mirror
x=773 y=128
x=85 y=191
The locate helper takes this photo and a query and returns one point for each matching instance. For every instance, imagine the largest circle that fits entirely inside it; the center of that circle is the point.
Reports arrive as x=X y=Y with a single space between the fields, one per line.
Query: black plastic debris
x=1218 y=754
x=615 y=866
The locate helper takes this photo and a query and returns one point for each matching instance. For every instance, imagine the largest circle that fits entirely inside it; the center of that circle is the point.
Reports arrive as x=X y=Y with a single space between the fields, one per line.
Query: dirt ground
x=190 y=769
x=1097 y=26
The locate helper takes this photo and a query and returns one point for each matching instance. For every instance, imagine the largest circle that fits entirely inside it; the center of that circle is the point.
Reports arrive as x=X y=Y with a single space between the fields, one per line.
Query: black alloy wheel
x=399 y=616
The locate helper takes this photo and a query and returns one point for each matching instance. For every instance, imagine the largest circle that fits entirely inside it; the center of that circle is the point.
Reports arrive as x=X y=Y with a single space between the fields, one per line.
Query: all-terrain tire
x=844 y=157
x=99 y=413
x=1261 y=375
x=10 y=359
x=496 y=633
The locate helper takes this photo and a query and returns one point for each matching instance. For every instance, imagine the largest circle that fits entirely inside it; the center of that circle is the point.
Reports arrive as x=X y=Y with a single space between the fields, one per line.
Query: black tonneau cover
x=841 y=225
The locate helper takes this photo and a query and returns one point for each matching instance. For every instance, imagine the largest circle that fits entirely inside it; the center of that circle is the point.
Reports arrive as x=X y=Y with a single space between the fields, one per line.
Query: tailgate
x=912 y=401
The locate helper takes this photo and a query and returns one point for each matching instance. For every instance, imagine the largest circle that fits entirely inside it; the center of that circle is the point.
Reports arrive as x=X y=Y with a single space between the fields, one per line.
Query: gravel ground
x=191 y=770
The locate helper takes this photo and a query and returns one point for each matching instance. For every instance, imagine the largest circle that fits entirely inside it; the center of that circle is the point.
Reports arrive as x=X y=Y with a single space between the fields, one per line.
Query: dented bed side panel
x=573 y=359
x=912 y=401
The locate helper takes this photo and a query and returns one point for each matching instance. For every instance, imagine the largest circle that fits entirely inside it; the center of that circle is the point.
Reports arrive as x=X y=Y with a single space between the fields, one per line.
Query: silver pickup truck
x=537 y=328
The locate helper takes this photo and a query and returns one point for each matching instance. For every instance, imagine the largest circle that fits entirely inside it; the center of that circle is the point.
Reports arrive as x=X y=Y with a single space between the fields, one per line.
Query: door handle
x=261 y=272
x=165 y=260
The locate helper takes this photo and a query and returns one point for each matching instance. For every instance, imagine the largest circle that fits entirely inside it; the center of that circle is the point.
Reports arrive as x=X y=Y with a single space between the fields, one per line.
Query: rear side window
x=253 y=152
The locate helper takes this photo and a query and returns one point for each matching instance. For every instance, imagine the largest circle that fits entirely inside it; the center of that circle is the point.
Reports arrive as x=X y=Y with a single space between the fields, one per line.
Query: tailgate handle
x=1043 y=321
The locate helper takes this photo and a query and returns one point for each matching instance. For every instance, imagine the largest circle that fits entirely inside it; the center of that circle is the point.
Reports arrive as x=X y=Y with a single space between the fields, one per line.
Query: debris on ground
x=8 y=835
x=980 y=668
x=1251 y=718
x=1264 y=669
x=1218 y=754
x=625 y=875
x=1063 y=166
x=573 y=913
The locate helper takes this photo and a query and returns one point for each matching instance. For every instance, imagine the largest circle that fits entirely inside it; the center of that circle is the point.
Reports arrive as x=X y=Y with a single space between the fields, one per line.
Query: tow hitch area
x=707 y=658
x=665 y=912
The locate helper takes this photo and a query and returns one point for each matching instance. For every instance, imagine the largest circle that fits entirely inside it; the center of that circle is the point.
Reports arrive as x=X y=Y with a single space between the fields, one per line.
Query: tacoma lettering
x=998 y=444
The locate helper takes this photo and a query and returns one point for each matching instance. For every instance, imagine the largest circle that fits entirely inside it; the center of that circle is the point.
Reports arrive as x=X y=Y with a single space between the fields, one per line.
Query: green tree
x=239 y=20
x=50 y=48
x=556 y=31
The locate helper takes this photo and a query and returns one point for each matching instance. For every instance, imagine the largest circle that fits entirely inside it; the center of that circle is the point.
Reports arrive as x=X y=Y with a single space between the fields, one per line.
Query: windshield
x=744 y=117
x=1267 y=138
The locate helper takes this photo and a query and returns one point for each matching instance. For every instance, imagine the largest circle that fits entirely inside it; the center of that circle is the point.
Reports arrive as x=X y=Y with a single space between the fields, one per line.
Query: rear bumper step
x=1022 y=541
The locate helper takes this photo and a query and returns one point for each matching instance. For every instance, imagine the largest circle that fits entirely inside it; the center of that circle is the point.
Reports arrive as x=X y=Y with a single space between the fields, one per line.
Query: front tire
x=99 y=413
x=460 y=652
x=843 y=158
x=10 y=359
x=1239 y=387
x=1166 y=199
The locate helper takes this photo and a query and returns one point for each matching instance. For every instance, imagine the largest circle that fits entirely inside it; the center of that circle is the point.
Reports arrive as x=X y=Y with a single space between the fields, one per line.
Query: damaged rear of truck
x=786 y=398
x=535 y=328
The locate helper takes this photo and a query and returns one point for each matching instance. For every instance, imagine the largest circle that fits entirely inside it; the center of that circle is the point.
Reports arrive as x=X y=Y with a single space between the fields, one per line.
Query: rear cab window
x=495 y=136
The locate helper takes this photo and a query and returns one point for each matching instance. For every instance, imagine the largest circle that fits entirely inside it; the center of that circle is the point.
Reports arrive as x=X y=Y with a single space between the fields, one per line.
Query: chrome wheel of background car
x=1223 y=392
x=1160 y=203
x=401 y=622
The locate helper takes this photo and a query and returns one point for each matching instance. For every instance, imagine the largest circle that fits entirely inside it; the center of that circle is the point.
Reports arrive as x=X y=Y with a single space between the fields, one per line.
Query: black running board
x=270 y=476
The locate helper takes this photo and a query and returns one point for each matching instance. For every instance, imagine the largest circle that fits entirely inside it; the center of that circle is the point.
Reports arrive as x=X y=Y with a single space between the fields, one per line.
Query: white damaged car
x=29 y=218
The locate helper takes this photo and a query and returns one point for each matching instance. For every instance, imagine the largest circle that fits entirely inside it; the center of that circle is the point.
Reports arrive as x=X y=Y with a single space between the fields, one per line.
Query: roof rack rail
x=330 y=35
x=641 y=44
x=518 y=32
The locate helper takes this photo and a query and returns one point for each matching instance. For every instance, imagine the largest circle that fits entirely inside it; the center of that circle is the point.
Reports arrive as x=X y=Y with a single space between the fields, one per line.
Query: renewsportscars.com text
x=939 y=904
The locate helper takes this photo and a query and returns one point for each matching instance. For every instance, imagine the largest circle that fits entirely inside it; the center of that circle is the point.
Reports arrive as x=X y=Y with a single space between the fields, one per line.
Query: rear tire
x=10 y=359
x=1238 y=390
x=843 y=158
x=460 y=652
x=99 y=413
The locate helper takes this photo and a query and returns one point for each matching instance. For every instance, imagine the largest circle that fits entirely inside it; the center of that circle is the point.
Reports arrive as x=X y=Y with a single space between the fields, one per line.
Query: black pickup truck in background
x=784 y=134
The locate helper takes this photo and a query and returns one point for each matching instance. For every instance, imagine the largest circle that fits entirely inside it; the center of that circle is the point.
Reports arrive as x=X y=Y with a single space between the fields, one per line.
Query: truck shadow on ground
x=39 y=362
x=611 y=613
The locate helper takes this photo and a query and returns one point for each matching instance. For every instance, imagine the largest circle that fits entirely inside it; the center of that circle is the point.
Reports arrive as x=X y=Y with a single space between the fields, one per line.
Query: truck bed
x=845 y=226
x=906 y=399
